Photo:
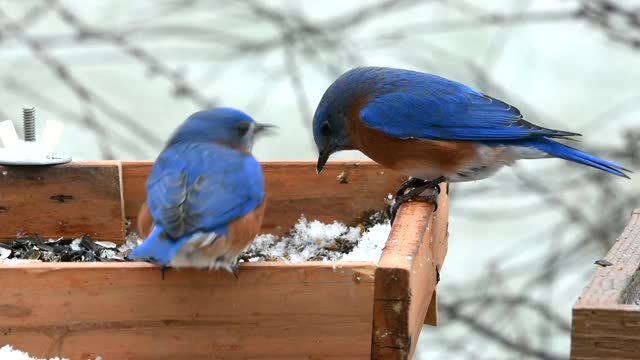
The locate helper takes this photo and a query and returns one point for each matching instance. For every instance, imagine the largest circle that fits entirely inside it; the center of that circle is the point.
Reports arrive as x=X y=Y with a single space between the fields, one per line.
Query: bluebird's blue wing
x=202 y=187
x=166 y=196
x=426 y=106
x=197 y=187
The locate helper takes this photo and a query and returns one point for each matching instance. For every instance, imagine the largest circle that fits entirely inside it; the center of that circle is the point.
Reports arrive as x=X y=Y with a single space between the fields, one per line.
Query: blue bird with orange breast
x=432 y=129
x=205 y=193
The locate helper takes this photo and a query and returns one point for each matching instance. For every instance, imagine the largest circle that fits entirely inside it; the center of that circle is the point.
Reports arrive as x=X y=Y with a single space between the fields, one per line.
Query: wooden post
x=406 y=277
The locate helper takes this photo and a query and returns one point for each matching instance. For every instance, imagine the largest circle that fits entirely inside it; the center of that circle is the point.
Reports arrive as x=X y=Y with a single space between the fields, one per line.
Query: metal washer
x=54 y=159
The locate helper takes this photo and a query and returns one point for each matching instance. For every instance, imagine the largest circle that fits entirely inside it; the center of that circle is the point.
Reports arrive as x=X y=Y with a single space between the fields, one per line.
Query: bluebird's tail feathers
x=562 y=151
x=158 y=248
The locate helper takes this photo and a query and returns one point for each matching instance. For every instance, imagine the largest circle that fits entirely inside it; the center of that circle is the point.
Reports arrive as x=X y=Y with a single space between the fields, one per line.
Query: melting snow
x=314 y=240
x=7 y=352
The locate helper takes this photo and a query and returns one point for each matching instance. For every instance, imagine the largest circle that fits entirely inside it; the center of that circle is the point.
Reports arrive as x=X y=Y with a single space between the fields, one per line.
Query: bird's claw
x=163 y=269
x=417 y=188
x=431 y=199
x=411 y=183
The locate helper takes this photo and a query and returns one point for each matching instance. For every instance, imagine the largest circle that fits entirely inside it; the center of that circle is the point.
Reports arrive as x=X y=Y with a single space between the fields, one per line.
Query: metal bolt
x=29 y=123
x=34 y=155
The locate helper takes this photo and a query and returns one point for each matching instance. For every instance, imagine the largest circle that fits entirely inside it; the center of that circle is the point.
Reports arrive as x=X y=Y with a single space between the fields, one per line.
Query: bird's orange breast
x=240 y=233
x=145 y=221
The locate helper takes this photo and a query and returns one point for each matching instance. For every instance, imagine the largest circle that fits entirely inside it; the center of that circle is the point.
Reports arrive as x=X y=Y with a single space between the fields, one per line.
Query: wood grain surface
x=406 y=277
x=65 y=200
x=346 y=191
x=127 y=311
x=606 y=316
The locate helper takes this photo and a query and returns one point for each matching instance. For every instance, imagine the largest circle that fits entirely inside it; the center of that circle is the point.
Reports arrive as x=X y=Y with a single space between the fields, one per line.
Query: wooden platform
x=276 y=310
x=606 y=316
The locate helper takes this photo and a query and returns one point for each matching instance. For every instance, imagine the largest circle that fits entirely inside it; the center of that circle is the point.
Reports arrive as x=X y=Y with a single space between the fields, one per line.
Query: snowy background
x=122 y=74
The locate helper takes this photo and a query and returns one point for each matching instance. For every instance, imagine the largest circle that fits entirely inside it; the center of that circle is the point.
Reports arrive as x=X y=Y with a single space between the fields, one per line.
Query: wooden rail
x=606 y=316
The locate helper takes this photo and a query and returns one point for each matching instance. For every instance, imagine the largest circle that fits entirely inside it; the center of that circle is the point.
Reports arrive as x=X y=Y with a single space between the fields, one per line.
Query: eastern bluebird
x=205 y=193
x=431 y=129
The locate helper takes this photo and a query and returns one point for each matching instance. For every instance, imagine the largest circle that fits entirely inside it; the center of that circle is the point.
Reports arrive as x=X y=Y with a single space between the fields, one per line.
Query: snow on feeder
x=299 y=294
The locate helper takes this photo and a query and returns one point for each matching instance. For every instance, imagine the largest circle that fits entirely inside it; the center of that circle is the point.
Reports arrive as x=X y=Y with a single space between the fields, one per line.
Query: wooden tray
x=277 y=310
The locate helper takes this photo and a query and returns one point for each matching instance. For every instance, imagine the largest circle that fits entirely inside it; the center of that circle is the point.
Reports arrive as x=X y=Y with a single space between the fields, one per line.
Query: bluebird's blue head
x=329 y=133
x=225 y=126
x=338 y=104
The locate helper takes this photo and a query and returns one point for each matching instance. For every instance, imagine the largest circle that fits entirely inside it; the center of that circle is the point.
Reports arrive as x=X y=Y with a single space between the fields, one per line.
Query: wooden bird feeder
x=606 y=316
x=277 y=310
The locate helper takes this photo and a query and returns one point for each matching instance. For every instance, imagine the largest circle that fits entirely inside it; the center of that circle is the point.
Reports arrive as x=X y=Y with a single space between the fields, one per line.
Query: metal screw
x=29 y=123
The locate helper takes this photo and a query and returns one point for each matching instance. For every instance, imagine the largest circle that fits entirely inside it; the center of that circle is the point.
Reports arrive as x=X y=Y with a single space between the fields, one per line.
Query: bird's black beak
x=266 y=129
x=324 y=156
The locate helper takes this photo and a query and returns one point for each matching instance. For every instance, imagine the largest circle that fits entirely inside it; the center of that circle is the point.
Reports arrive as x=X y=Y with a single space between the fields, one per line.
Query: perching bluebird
x=431 y=129
x=205 y=193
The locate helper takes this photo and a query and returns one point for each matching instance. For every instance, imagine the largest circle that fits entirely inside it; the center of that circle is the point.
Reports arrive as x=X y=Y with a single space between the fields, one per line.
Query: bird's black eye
x=325 y=130
x=243 y=128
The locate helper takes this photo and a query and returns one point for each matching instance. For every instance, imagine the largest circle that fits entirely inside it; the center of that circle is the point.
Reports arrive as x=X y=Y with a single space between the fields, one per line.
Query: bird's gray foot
x=411 y=183
x=416 y=190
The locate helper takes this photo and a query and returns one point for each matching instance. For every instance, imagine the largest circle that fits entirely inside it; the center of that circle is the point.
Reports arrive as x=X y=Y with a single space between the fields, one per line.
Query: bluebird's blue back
x=203 y=181
x=427 y=127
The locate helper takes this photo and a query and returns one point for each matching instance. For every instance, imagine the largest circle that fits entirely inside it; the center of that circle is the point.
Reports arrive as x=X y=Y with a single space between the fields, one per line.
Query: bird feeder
x=279 y=310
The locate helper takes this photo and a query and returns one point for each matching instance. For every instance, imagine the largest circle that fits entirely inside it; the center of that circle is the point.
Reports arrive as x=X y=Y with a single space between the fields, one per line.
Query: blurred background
x=122 y=74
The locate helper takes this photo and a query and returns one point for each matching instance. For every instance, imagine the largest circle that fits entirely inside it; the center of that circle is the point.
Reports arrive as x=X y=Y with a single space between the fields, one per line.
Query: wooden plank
x=134 y=178
x=64 y=200
x=432 y=312
x=606 y=333
x=95 y=207
x=608 y=284
x=293 y=188
x=439 y=241
x=439 y=247
x=126 y=310
x=406 y=277
x=606 y=316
